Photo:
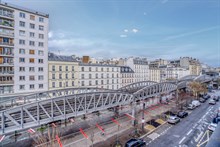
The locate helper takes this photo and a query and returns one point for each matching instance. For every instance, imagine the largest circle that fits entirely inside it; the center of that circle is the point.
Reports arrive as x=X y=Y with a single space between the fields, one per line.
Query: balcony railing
x=7 y=53
x=7 y=34
x=6 y=91
x=10 y=15
x=6 y=72
x=7 y=24
x=7 y=43
x=7 y=82
x=7 y=63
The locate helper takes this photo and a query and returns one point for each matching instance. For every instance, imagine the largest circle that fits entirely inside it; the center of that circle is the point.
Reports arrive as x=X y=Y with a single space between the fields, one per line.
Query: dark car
x=202 y=100
x=216 y=98
x=182 y=114
x=206 y=97
x=135 y=143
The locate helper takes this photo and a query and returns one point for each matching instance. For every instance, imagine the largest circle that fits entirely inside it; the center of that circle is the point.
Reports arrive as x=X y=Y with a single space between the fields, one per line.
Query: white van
x=196 y=103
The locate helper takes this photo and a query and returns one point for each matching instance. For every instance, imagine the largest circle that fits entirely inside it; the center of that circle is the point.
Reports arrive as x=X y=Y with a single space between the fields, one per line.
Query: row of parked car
x=215 y=121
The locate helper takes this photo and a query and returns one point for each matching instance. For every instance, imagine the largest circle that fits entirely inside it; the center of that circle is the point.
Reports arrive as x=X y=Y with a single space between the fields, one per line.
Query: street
x=188 y=132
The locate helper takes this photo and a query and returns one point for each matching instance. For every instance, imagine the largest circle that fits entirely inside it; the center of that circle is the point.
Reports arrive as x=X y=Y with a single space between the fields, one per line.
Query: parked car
x=135 y=143
x=182 y=114
x=169 y=113
x=173 y=120
x=206 y=97
x=216 y=98
x=196 y=103
x=191 y=107
x=202 y=100
x=212 y=102
x=212 y=126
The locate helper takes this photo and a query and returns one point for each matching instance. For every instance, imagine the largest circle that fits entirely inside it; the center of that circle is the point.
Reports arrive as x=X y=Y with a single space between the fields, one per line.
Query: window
x=31 y=69
x=67 y=84
x=96 y=69
x=90 y=76
x=22 y=15
x=82 y=76
x=112 y=69
x=96 y=82
x=90 y=69
x=82 y=68
x=112 y=81
x=41 y=36
x=107 y=69
x=31 y=60
x=107 y=75
x=60 y=68
x=72 y=68
x=41 y=28
x=72 y=83
x=66 y=68
x=41 y=86
x=53 y=68
x=22 y=78
x=40 y=69
x=21 y=51
x=96 y=76
x=31 y=43
x=32 y=52
x=21 y=87
x=22 y=42
x=112 y=75
x=107 y=81
x=32 y=34
x=41 y=19
x=53 y=76
x=102 y=82
x=83 y=84
x=21 y=60
x=41 y=44
x=22 y=69
x=72 y=76
x=22 y=24
x=53 y=84
x=60 y=76
x=41 y=77
x=32 y=26
x=32 y=86
x=102 y=75
x=60 y=84
x=22 y=33
x=40 y=53
x=66 y=76
x=32 y=17
x=31 y=78
x=40 y=61
x=90 y=83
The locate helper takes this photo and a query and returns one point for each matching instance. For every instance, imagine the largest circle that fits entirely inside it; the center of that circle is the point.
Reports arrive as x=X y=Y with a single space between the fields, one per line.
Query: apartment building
x=99 y=75
x=127 y=75
x=154 y=74
x=139 y=66
x=63 y=71
x=23 y=50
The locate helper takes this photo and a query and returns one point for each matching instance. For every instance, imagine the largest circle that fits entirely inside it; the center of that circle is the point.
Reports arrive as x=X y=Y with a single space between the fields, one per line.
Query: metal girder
x=60 y=108
x=21 y=100
x=203 y=78
x=131 y=88
x=155 y=89
x=189 y=77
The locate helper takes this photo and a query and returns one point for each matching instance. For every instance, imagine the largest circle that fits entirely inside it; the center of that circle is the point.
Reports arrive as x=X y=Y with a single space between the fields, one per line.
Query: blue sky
x=120 y=28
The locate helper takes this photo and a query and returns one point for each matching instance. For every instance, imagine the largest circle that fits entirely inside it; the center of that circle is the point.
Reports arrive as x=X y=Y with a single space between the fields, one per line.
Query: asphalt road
x=188 y=132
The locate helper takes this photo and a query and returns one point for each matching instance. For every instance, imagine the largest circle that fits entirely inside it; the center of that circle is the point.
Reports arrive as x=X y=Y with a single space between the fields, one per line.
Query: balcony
x=6 y=14
x=7 y=82
x=7 y=64
x=6 y=72
x=7 y=24
x=6 y=34
x=6 y=43
x=7 y=54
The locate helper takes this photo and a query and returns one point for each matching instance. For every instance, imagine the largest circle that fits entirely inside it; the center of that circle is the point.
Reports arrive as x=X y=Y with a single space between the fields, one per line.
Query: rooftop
x=23 y=9
x=62 y=58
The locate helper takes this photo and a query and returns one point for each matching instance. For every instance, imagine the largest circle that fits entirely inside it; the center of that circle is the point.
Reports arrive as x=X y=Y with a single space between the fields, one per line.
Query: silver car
x=173 y=120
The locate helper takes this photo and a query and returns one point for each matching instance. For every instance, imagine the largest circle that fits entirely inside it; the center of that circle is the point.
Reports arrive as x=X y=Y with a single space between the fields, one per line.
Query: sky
x=166 y=29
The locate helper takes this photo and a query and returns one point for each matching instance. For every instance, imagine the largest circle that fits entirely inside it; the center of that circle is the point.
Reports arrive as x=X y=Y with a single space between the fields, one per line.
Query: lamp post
x=177 y=96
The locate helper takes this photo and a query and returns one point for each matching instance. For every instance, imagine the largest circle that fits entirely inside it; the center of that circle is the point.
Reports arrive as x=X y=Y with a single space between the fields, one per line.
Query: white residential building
x=99 y=75
x=23 y=50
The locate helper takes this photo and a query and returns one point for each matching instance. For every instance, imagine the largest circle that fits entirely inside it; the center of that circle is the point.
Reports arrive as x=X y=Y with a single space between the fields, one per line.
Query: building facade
x=127 y=75
x=63 y=72
x=99 y=75
x=23 y=50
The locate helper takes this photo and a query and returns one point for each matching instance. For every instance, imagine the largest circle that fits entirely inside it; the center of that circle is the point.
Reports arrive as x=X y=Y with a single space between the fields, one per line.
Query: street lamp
x=177 y=96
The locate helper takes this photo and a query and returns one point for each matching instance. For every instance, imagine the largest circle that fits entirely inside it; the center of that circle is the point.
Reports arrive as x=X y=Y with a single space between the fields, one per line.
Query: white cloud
x=50 y=34
x=123 y=36
x=135 y=30
x=125 y=30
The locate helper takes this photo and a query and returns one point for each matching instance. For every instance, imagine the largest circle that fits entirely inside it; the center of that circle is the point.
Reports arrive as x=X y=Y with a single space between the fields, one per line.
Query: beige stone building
x=63 y=72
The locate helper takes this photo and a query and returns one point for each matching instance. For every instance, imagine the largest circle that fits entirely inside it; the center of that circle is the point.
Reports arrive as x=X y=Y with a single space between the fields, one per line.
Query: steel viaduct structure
x=23 y=112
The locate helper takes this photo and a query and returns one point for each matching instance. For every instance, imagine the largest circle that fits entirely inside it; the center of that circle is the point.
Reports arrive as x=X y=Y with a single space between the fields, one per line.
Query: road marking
x=200 y=135
x=182 y=140
x=189 y=132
